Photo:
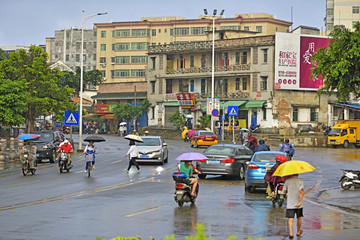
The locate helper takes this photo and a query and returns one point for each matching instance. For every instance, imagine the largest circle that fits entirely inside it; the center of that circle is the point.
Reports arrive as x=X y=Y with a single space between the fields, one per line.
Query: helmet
x=261 y=141
x=287 y=140
x=278 y=157
x=283 y=159
x=66 y=141
x=146 y=131
x=134 y=130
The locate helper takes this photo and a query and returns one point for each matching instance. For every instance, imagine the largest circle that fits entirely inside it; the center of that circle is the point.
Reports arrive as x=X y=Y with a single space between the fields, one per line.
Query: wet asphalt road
x=111 y=203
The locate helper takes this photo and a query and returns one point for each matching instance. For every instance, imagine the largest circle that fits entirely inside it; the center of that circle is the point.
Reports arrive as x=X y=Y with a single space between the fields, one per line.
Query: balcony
x=231 y=68
x=223 y=96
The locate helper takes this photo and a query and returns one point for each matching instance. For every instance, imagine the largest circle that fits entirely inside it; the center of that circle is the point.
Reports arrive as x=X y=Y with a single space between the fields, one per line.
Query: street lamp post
x=84 y=19
x=213 y=62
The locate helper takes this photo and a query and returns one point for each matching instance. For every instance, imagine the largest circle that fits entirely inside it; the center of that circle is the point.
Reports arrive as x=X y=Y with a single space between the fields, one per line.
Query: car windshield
x=149 y=142
x=44 y=137
x=335 y=132
x=220 y=150
x=206 y=133
x=265 y=157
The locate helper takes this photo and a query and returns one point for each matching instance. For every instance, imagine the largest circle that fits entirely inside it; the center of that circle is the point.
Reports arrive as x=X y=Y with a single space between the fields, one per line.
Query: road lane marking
x=17 y=184
x=216 y=189
x=117 y=161
x=145 y=210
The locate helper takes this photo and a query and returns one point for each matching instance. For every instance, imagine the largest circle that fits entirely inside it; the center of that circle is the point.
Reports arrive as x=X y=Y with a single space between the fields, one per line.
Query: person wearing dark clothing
x=252 y=142
x=262 y=146
x=275 y=180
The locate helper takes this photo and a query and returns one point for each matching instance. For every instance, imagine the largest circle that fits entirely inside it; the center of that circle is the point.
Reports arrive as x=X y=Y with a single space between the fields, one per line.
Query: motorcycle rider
x=68 y=149
x=252 y=141
x=262 y=146
x=185 y=167
x=90 y=149
x=287 y=148
x=31 y=150
x=146 y=133
x=275 y=180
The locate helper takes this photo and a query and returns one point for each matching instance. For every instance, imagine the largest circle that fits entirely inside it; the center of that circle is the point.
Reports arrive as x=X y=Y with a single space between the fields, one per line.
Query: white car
x=154 y=149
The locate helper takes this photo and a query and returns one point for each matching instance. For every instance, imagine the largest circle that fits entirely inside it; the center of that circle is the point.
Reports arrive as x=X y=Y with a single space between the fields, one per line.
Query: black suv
x=47 y=144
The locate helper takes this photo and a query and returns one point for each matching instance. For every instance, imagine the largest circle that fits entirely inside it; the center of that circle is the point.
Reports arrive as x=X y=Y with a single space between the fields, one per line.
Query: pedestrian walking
x=132 y=153
x=294 y=187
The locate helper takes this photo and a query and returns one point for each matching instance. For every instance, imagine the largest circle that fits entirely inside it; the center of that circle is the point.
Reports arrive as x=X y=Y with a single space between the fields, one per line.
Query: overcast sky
x=26 y=22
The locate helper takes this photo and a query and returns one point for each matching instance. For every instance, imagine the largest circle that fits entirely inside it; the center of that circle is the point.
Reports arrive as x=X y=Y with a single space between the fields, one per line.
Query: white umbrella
x=134 y=138
x=122 y=123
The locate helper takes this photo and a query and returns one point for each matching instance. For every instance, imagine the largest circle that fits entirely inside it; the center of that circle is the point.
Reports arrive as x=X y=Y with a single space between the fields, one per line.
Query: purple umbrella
x=191 y=156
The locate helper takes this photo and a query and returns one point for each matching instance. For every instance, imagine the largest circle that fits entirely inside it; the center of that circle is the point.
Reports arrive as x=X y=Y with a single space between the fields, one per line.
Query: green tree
x=339 y=64
x=40 y=91
x=177 y=120
x=205 y=121
x=127 y=111
x=3 y=55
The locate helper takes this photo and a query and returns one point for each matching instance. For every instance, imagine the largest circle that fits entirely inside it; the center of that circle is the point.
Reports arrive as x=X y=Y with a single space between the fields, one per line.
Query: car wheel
x=202 y=176
x=241 y=172
x=52 y=156
x=346 y=144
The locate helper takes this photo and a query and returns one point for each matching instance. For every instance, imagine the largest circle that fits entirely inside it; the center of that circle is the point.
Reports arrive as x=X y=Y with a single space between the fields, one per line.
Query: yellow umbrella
x=293 y=167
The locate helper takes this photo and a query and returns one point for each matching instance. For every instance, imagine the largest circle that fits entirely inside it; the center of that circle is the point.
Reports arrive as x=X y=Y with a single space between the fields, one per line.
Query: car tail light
x=253 y=166
x=229 y=160
x=201 y=160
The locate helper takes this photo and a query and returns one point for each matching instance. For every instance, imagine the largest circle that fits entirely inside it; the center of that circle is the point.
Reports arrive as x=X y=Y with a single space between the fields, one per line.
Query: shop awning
x=255 y=104
x=234 y=103
x=171 y=104
x=108 y=116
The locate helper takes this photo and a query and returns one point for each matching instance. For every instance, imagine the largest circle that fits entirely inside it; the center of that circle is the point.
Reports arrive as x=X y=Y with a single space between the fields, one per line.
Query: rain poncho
x=287 y=148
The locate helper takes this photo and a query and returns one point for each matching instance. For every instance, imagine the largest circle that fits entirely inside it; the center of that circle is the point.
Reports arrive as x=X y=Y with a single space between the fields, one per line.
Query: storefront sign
x=101 y=108
x=186 y=99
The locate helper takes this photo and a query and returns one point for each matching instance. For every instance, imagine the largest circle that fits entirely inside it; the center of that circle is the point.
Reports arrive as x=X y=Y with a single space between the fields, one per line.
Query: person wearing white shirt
x=132 y=153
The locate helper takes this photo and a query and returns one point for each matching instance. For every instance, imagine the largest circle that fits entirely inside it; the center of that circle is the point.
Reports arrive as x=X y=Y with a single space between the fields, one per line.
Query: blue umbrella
x=191 y=156
x=27 y=136
x=190 y=116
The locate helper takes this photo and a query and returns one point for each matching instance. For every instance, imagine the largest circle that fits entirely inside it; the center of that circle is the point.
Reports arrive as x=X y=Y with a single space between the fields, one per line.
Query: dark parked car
x=153 y=149
x=225 y=159
x=47 y=144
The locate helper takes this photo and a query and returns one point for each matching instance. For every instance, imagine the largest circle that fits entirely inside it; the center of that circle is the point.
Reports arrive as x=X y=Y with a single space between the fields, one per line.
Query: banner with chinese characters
x=185 y=99
x=293 y=61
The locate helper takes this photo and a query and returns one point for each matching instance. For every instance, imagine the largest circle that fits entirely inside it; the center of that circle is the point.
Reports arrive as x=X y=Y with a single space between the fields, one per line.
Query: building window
x=264 y=113
x=265 y=55
x=198 y=30
x=67 y=57
x=102 y=60
x=230 y=28
x=120 y=59
x=295 y=114
x=103 y=47
x=183 y=86
x=168 y=85
x=120 y=73
x=121 y=46
x=237 y=58
x=139 y=32
x=191 y=61
x=121 y=33
x=313 y=115
x=138 y=72
x=237 y=84
x=153 y=32
x=192 y=85
x=243 y=57
x=139 y=59
x=203 y=61
x=152 y=86
x=103 y=72
x=225 y=86
x=244 y=84
x=94 y=57
x=181 y=31
x=330 y=12
x=67 y=45
x=203 y=85
x=165 y=30
x=259 y=29
x=355 y=9
x=139 y=46
x=247 y=28
x=153 y=62
x=77 y=58
x=152 y=112
x=94 y=45
x=103 y=34
x=263 y=83
x=56 y=56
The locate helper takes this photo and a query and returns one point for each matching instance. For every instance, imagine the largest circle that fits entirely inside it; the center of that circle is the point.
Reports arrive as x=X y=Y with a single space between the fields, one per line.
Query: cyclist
x=90 y=149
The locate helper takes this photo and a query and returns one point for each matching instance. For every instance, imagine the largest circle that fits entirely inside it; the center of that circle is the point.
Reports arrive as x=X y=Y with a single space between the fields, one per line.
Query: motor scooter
x=28 y=165
x=182 y=190
x=186 y=139
x=350 y=178
x=256 y=129
x=63 y=162
x=279 y=196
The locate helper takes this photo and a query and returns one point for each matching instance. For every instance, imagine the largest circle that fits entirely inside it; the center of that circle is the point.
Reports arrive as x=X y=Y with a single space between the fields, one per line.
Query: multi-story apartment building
x=341 y=13
x=123 y=47
x=66 y=47
x=243 y=77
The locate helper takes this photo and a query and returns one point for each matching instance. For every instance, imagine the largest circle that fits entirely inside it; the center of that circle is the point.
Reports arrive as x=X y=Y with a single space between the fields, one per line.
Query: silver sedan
x=154 y=149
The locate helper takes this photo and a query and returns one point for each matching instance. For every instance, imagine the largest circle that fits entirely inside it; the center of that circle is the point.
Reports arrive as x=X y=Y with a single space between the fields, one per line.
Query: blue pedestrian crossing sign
x=233 y=110
x=71 y=118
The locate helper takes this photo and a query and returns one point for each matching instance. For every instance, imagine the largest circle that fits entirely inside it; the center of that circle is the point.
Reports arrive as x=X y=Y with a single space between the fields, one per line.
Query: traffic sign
x=233 y=110
x=215 y=112
x=58 y=124
x=71 y=118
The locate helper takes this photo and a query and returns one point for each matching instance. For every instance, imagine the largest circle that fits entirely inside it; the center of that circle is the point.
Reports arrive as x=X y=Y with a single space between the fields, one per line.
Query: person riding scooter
x=31 y=150
x=68 y=149
x=275 y=180
x=185 y=167
x=287 y=148
x=262 y=146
